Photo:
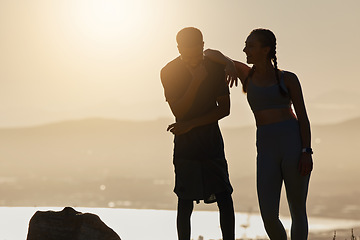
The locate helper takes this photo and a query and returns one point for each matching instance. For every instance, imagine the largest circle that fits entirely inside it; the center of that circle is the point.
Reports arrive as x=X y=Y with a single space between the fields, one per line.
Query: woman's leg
x=184 y=211
x=296 y=192
x=296 y=185
x=227 y=216
x=269 y=181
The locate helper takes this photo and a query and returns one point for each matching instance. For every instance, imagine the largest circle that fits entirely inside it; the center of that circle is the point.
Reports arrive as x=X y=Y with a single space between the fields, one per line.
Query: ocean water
x=135 y=224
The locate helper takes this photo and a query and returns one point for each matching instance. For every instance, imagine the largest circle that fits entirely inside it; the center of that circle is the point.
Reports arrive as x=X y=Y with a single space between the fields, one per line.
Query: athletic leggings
x=278 y=153
x=227 y=217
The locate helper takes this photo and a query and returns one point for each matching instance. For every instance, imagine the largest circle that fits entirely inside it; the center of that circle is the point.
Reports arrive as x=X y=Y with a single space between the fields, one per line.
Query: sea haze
x=134 y=224
x=127 y=164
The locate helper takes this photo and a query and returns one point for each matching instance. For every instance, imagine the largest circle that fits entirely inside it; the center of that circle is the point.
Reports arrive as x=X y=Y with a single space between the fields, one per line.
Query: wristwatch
x=307 y=150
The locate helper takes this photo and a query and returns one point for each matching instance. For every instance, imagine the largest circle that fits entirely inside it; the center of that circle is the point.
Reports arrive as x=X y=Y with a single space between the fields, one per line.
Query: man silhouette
x=198 y=96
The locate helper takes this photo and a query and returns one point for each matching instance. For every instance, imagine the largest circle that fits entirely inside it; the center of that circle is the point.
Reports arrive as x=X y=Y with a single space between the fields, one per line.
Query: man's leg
x=227 y=216
x=185 y=208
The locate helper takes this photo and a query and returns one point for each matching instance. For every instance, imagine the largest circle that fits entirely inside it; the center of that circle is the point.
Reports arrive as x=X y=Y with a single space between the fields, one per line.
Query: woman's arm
x=233 y=69
x=294 y=87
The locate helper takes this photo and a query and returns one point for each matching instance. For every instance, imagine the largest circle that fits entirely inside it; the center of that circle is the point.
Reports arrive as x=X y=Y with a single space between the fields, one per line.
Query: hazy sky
x=65 y=59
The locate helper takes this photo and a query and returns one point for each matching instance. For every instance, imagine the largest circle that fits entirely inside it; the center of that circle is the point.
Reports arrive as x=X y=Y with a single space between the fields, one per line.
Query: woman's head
x=260 y=45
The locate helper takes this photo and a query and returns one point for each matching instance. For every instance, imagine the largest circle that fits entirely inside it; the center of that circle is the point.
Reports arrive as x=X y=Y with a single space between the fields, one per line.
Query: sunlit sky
x=70 y=59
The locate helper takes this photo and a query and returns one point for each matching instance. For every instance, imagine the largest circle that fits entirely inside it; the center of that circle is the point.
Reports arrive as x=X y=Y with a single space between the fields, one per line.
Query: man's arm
x=222 y=110
x=181 y=106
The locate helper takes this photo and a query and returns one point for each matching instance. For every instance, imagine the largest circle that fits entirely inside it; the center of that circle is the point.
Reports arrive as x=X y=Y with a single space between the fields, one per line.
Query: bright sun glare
x=108 y=18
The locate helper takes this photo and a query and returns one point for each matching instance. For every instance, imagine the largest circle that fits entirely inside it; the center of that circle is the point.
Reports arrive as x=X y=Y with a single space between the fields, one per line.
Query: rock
x=68 y=224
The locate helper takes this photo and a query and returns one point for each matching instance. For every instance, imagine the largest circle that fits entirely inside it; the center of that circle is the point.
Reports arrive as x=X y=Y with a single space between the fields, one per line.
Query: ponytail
x=267 y=39
x=274 y=59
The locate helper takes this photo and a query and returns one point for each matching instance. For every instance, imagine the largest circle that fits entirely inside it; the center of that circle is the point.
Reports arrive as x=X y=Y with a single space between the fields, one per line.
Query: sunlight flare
x=108 y=18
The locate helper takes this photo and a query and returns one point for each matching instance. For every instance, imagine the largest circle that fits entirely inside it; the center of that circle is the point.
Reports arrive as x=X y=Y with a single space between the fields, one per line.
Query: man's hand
x=198 y=73
x=179 y=128
x=305 y=164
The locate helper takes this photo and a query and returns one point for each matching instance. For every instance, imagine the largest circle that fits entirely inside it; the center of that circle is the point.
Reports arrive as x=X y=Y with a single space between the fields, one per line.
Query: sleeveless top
x=261 y=98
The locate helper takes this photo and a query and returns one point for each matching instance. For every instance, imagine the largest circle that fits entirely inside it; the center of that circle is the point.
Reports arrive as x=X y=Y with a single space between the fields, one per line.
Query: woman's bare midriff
x=270 y=116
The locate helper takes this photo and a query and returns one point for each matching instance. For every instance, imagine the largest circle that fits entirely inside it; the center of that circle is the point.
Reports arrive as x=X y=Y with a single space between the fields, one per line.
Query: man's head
x=191 y=46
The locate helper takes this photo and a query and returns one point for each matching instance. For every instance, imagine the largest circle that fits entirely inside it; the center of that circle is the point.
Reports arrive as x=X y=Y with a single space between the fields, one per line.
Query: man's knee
x=185 y=206
x=224 y=200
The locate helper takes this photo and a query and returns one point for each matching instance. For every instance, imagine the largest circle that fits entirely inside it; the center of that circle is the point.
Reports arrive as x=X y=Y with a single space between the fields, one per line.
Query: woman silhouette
x=283 y=137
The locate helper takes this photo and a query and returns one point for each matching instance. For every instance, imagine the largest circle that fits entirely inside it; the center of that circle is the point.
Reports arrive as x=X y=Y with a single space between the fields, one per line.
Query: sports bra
x=261 y=98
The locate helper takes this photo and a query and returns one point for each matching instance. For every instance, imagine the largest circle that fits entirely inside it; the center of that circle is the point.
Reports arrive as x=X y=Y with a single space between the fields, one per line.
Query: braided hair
x=267 y=39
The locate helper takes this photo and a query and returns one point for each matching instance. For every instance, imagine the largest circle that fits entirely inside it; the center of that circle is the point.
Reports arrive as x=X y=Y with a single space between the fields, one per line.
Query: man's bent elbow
x=225 y=112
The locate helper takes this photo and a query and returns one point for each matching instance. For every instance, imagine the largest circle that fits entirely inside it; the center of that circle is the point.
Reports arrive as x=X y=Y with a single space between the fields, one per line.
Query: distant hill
x=89 y=147
x=334 y=106
x=95 y=162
